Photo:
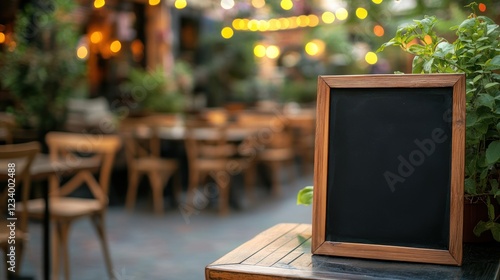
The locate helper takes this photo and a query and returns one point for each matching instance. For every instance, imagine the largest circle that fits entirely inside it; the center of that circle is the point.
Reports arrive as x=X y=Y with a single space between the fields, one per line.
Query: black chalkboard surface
x=389 y=167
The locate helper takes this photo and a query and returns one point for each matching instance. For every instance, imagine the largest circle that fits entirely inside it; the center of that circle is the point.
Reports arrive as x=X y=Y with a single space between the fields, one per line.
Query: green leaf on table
x=493 y=152
x=305 y=196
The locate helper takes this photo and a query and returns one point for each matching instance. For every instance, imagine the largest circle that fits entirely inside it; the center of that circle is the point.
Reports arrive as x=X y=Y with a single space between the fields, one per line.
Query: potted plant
x=475 y=52
x=154 y=91
x=41 y=70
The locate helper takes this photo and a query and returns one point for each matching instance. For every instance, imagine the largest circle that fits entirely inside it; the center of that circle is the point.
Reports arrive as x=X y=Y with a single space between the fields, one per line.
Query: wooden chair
x=86 y=154
x=274 y=145
x=22 y=156
x=142 y=151
x=303 y=129
x=208 y=154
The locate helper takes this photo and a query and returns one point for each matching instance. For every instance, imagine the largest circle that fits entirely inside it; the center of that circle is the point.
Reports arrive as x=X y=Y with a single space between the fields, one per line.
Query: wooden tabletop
x=284 y=252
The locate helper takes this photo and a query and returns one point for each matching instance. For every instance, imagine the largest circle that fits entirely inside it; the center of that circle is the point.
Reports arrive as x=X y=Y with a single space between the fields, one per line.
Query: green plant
x=41 y=71
x=156 y=91
x=475 y=52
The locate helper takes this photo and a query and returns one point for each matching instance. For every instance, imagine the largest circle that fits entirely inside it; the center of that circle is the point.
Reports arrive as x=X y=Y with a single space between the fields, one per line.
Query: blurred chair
x=88 y=114
x=303 y=128
x=209 y=153
x=22 y=156
x=85 y=154
x=274 y=143
x=143 y=153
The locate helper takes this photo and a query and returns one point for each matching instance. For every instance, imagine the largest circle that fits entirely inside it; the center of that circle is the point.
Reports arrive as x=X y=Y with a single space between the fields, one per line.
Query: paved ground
x=177 y=245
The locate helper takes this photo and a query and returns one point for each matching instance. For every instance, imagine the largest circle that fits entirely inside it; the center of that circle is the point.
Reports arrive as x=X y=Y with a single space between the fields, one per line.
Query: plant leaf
x=494 y=63
x=485 y=100
x=305 y=196
x=470 y=186
x=493 y=152
x=481 y=227
x=495 y=231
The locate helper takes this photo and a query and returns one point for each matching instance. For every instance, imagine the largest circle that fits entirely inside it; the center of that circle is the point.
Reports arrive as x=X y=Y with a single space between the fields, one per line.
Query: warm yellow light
x=96 y=37
x=227 y=32
x=286 y=4
x=302 y=21
x=258 y=3
x=99 y=3
x=428 y=39
x=315 y=47
x=284 y=23
x=115 y=46
x=227 y=4
x=274 y=24
x=313 y=20
x=292 y=22
x=272 y=52
x=341 y=14
x=328 y=17
x=180 y=4
x=361 y=13
x=253 y=25
x=236 y=23
x=311 y=48
x=82 y=52
x=154 y=2
x=263 y=25
x=377 y=1
x=259 y=51
x=378 y=30
x=371 y=58
x=2 y=38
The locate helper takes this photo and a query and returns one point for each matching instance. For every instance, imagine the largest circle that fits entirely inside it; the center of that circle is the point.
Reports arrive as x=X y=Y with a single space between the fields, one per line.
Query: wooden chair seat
x=276 y=154
x=5 y=234
x=63 y=207
x=151 y=163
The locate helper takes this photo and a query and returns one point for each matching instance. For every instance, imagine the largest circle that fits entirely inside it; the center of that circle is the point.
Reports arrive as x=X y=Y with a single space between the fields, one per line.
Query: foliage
x=305 y=196
x=301 y=91
x=42 y=69
x=475 y=52
x=155 y=91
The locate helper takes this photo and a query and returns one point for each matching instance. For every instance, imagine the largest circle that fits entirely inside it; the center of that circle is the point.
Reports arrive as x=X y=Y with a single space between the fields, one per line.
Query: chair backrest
x=16 y=163
x=71 y=147
x=207 y=142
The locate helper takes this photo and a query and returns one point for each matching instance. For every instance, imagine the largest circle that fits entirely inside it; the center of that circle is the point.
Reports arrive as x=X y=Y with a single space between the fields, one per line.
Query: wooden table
x=284 y=252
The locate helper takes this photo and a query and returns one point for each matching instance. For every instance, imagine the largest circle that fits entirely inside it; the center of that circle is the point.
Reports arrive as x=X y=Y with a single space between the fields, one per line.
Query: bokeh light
x=82 y=52
x=259 y=51
x=2 y=37
x=286 y=4
x=315 y=47
x=180 y=4
x=272 y=52
x=154 y=2
x=341 y=14
x=482 y=7
x=313 y=20
x=227 y=4
x=258 y=3
x=115 y=46
x=371 y=58
x=361 y=13
x=328 y=17
x=377 y=1
x=96 y=37
x=227 y=32
x=99 y=3
x=378 y=30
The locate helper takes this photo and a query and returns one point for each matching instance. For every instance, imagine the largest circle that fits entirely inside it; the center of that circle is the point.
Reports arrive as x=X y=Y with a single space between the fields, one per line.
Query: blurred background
x=151 y=69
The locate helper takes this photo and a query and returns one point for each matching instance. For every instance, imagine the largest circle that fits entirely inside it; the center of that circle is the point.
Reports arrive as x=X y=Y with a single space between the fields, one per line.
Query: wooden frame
x=320 y=245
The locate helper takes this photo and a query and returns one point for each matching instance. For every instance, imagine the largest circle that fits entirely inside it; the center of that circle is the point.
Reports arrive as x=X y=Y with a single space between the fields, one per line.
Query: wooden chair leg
x=157 y=186
x=98 y=222
x=223 y=198
x=275 y=183
x=63 y=236
x=249 y=178
x=133 y=183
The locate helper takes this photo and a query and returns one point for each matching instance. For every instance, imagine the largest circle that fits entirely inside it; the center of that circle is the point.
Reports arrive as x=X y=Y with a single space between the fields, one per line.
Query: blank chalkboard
x=389 y=167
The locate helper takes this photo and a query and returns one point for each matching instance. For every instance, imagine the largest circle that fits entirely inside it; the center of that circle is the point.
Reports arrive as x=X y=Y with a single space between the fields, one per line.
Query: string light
x=371 y=58
x=258 y=3
x=115 y=46
x=361 y=13
x=378 y=30
x=180 y=4
x=286 y=4
x=227 y=4
x=227 y=32
x=96 y=37
x=328 y=17
x=2 y=37
x=482 y=7
x=82 y=52
x=341 y=14
x=272 y=52
x=154 y=2
x=377 y=1
x=99 y=4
